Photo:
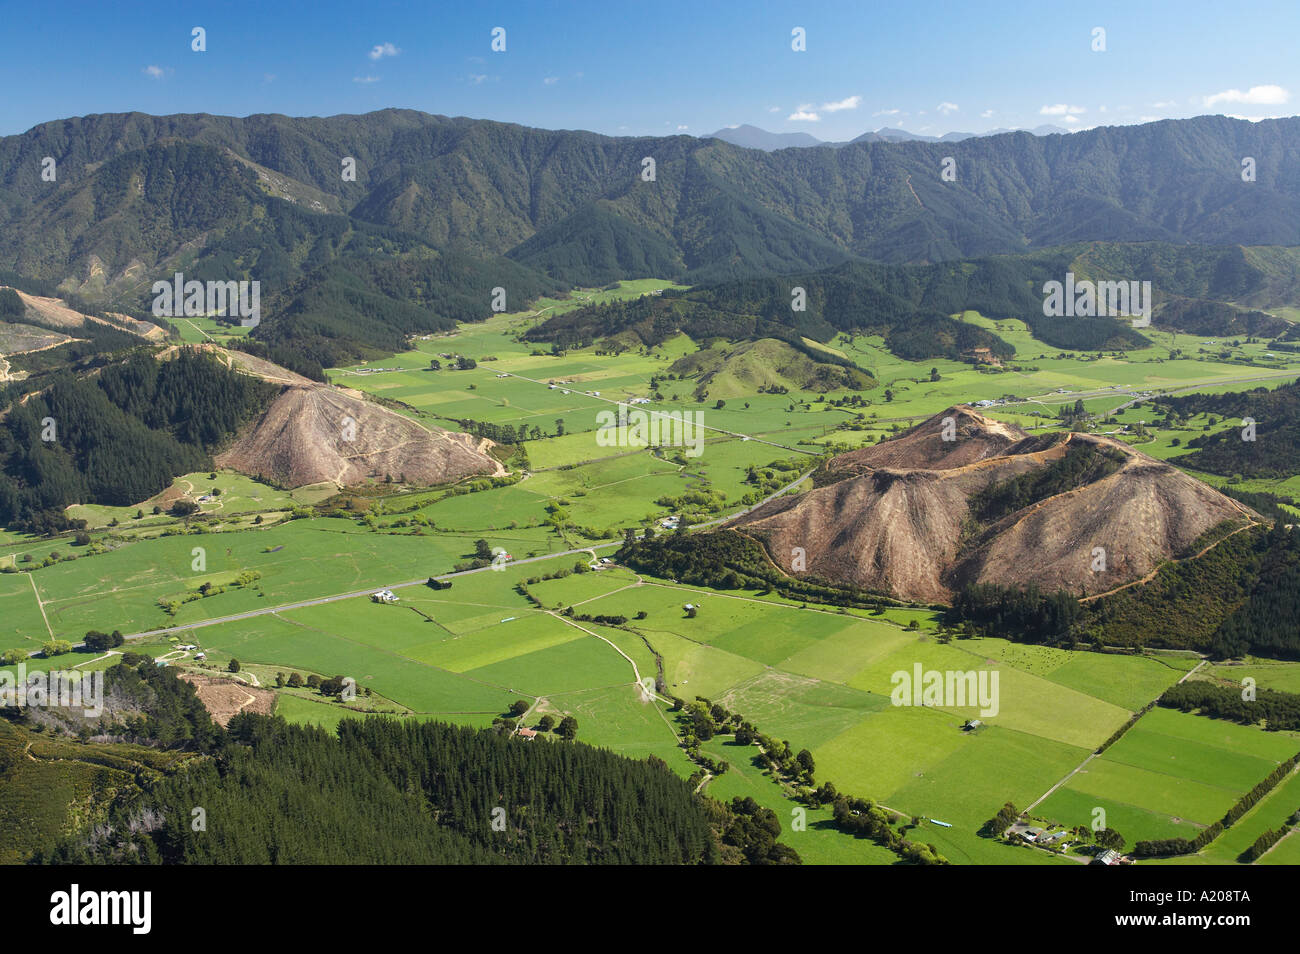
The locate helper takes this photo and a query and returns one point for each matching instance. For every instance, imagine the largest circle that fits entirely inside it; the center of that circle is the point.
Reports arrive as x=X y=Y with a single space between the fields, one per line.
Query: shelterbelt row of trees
x=379 y=791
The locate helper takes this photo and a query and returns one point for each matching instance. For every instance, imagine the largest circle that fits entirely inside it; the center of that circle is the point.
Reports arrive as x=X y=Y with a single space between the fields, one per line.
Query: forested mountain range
x=489 y=186
x=442 y=209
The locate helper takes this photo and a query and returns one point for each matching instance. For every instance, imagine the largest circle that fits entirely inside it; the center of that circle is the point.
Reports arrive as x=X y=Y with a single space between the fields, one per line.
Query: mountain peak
x=752 y=137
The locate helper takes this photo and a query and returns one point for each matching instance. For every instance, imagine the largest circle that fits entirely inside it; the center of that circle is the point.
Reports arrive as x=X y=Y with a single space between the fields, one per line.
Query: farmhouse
x=1107 y=857
x=383 y=596
x=527 y=733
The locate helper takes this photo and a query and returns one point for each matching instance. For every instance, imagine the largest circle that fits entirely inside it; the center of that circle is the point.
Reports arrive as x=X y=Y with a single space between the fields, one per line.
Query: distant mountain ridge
x=442 y=210
x=752 y=137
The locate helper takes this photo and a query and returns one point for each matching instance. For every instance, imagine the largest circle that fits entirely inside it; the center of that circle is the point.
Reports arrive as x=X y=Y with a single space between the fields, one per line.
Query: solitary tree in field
x=234 y=665
x=568 y=728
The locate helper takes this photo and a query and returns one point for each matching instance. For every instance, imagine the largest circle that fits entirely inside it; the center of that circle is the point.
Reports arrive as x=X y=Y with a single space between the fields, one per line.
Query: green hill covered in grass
x=724 y=370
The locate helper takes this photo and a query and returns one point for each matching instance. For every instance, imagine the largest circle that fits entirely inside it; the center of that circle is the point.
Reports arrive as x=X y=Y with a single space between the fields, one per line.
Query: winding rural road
x=353 y=594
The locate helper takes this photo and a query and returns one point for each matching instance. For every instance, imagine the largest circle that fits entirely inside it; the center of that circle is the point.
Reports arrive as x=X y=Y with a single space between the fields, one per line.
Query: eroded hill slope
x=314 y=432
x=962 y=499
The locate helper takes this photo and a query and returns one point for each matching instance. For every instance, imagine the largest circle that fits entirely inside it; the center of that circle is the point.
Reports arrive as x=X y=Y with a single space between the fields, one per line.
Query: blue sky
x=660 y=66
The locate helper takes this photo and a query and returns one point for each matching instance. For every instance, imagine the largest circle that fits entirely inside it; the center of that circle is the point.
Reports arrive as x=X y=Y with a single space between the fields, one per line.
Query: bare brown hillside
x=315 y=432
x=54 y=311
x=913 y=517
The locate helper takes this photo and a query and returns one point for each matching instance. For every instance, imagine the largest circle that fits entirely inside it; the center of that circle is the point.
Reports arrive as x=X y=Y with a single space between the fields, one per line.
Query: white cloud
x=1071 y=120
x=477 y=78
x=849 y=102
x=681 y=127
x=1256 y=95
x=551 y=80
x=1062 y=109
x=947 y=108
x=1165 y=104
x=365 y=80
x=154 y=72
x=886 y=112
x=987 y=114
x=774 y=109
x=379 y=51
x=803 y=114
x=1255 y=119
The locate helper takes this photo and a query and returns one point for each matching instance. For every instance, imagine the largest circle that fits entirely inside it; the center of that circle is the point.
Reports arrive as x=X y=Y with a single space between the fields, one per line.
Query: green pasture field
x=299 y=560
x=1069 y=806
x=1171 y=768
x=21 y=623
x=1267 y=673
x=238 y=495
x=1285 y=852
x=631 y=645
x=1127 y=681
x=809 y=711
x=621 y=719
x=827 y=688
x=1154 y=791
x=578 y=589
x=421 y=687
x=1274 y=747
x=1027 y=702
x=1271 y=812
x=198 y=330
x=1097 y=380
